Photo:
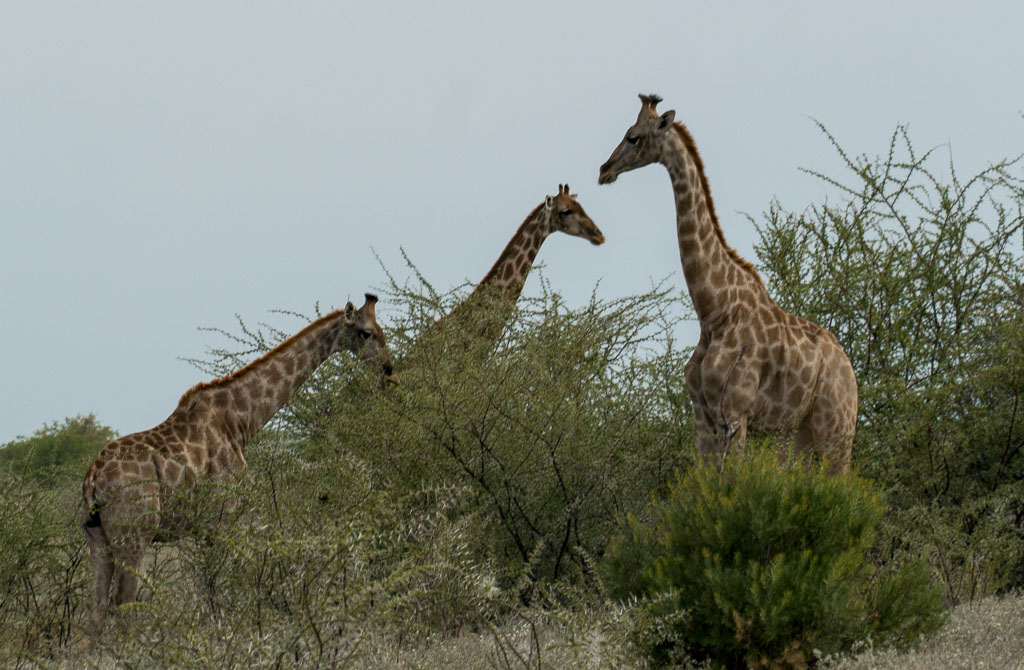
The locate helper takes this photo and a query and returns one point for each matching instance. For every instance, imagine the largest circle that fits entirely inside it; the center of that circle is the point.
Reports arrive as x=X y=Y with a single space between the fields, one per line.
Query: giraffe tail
x=92 y=524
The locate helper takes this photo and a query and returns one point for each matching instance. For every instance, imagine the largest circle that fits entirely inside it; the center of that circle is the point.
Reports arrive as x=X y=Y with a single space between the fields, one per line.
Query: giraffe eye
x=565 y=212
x=632 y=139
x=363 y=334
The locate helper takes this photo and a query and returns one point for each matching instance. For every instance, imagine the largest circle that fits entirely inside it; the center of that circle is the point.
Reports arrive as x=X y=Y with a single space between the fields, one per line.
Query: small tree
x=762 y=565
x=57 y=450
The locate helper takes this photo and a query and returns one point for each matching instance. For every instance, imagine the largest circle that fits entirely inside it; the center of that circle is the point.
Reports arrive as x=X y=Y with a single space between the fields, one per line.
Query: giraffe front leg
x=734 y=436
x=716 y=441
x=729 y=381
x=706 y=439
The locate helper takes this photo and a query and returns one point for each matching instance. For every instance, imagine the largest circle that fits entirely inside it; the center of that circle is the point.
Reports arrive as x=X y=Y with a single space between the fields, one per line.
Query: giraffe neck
x=508 y=274
x=715 y=274
x=241 y=403
x=501 y=287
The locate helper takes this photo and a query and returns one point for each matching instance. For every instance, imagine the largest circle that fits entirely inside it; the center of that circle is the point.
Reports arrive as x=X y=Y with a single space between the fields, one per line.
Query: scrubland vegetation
x=536 y=503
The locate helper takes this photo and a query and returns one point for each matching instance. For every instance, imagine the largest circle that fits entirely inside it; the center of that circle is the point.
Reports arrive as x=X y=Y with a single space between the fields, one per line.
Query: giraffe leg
x=831 y=423
x=728 y=380
x=706 y=439
x=103 y=564
x=803 y=444
x=130 y=526
x=734 y=436
x=127 y=561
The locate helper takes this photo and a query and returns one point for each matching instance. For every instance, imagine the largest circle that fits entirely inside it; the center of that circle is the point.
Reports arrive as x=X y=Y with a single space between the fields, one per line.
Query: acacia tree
x=920 y=275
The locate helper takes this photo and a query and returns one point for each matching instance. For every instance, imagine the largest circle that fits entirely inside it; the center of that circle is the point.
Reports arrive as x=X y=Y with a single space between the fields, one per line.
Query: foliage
x=42 y=568
x=921 y=277
x=320 y=565
x=57 y=450
x=987 y=633
x=304 y=576
x=769 y=564
x=540 y=426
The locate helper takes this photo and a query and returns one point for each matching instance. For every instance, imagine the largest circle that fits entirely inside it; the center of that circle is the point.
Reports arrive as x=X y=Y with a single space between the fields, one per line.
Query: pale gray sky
x=164 y=166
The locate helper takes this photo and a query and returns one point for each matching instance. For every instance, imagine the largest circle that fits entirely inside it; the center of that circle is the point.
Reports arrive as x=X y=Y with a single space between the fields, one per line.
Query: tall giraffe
x=127 y=489
x=502 y=285
x=755 y=364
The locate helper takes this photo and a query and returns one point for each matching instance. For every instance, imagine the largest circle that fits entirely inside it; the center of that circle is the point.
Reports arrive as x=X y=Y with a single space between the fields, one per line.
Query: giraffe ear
x=665 y=120
x=549 y=202
x=350 y=313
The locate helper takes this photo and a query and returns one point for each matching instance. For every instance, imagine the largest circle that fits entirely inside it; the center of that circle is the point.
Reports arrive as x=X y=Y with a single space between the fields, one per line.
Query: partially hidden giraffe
x=755 y=365
x=126 y=494
x=498 y=291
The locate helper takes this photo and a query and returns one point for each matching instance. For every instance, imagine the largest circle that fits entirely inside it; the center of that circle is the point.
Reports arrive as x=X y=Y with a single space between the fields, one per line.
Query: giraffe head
x=564 y=214
x=364 y=337
x=643 y=141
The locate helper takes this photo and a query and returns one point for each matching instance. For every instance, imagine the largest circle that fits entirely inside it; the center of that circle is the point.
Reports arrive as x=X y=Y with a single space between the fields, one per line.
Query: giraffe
x=503 y=284
x=127 y=489
x=755 y=365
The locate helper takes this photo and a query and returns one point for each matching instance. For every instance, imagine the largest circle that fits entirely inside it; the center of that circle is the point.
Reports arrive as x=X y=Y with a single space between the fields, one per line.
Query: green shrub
x=552 y=429
x=57 y=452
x=43 y=569
x=769 y=564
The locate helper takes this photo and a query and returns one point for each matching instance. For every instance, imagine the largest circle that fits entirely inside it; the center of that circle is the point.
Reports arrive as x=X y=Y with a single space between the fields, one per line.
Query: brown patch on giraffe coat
x=238 y=396
x=273 y=377
x=688 y=246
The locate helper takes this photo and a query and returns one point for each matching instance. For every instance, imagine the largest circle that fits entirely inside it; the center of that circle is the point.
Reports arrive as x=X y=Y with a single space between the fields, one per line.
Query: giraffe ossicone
x=127 y=489
x=755 y=365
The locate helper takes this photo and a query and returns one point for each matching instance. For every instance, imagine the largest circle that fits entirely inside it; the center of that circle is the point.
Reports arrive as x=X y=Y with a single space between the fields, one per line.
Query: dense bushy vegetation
x=921 y=277
x=478 y=500
x=766 y=565
x=56 y=450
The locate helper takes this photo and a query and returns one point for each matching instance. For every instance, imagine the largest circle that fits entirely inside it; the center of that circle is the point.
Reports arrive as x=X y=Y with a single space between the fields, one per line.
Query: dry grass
x=985 y=634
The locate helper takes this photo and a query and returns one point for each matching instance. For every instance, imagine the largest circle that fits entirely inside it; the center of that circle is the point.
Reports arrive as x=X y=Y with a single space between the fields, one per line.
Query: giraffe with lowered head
x=755 y=365
x=126 y=494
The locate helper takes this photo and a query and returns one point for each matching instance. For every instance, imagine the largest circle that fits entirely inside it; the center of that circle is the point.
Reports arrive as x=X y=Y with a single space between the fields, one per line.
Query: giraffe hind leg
x=103 y=562
x=127 y=562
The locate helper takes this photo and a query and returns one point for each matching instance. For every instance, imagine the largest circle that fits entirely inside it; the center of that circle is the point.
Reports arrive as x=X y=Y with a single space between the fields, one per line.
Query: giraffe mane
x=691 y=146
x=252 y=365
